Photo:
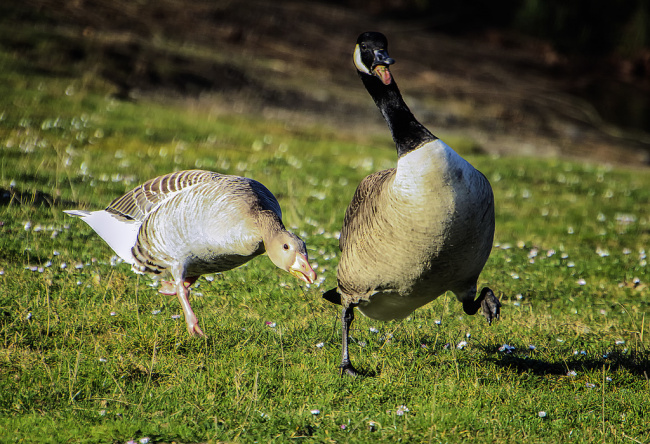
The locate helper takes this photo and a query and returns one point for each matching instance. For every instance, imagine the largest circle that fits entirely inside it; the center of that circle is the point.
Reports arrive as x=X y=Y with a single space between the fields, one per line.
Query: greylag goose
x=190 y=223
x=413 y=232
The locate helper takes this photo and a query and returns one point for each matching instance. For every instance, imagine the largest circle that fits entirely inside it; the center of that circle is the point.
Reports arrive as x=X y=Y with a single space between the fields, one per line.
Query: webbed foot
x=490 y=305
x=348 y=369
x=487 y=302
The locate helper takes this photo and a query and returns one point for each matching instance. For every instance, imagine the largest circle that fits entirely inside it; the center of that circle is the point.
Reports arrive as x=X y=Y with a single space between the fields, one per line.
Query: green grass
x=92 y=353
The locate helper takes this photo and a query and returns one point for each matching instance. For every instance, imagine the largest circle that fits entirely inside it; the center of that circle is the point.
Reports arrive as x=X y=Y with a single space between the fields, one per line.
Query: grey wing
x=363 y=206
x=142 y=200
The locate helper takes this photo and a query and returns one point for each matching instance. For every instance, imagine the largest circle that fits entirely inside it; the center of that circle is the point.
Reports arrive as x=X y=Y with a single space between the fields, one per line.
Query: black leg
x=347 y=316
x=487 y=302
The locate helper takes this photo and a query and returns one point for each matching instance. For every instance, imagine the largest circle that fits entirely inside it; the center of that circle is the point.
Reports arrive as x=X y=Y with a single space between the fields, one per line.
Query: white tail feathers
x=119 y=233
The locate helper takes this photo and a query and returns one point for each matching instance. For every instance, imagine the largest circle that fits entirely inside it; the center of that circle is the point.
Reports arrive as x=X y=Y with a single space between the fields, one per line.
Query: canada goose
x=190 y=223
x=413 y=232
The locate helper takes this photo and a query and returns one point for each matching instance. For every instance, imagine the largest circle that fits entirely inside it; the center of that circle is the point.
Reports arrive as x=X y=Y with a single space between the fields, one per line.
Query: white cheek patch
x=357 y=61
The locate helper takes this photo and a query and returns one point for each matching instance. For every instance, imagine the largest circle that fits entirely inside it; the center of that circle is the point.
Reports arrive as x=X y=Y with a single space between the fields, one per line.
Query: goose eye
x=285 y=246
x=363 y=46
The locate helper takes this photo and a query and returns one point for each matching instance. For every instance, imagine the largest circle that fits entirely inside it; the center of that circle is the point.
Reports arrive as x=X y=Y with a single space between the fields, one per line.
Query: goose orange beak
x=302 y=270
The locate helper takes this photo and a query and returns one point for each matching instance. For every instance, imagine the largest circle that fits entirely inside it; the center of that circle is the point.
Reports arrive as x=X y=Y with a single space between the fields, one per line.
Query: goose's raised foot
x=487 y=302
x=490 y=305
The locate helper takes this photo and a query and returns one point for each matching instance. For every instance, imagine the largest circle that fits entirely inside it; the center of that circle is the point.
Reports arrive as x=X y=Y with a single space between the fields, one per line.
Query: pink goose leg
x=181 y=288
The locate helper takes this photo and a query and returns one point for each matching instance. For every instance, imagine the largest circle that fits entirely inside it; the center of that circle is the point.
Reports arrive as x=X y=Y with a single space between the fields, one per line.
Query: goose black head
x=371 y=56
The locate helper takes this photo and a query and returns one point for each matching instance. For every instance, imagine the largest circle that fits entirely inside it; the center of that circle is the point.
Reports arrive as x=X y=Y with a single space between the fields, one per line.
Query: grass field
x=89 y=352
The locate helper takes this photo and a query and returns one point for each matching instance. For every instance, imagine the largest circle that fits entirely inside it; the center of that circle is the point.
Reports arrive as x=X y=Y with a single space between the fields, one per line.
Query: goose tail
x=119 y=233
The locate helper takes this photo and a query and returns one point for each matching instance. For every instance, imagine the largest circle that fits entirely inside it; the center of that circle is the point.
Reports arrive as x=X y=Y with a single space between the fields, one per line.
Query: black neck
x=407 y=132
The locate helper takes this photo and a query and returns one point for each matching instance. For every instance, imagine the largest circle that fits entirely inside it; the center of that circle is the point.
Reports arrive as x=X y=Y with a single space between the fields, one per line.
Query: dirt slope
x=292 y=60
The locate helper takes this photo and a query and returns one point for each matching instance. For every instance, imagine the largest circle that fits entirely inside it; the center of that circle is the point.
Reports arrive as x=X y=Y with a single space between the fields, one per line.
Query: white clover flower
x=572 y=373
x=315 y=412
x=541 y=414
x=461 y=345
x=401 y=410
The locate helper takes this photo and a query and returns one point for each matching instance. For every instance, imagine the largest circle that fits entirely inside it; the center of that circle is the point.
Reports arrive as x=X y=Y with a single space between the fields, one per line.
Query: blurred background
x=533 y=77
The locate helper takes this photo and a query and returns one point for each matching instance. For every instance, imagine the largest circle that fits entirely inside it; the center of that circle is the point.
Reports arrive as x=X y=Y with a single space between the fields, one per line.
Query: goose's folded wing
x=363 y=206
x=142 y=200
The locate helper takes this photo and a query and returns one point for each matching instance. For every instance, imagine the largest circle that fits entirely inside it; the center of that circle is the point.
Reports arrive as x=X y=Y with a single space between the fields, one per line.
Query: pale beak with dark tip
x=302 y=270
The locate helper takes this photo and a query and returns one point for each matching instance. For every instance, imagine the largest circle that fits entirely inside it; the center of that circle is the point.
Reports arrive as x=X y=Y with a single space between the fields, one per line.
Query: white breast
x=433 y=165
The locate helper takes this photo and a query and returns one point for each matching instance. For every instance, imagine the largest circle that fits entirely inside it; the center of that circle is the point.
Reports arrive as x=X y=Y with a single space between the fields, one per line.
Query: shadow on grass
x=13 y=196
x=636 y=363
